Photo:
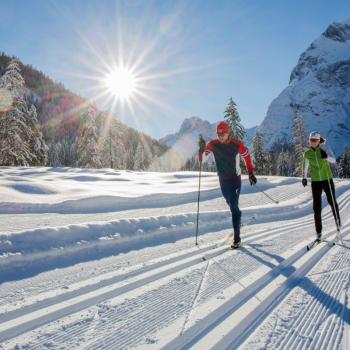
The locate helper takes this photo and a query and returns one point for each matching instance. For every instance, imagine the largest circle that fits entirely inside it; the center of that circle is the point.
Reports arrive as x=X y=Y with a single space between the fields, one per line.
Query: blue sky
x=196 y=54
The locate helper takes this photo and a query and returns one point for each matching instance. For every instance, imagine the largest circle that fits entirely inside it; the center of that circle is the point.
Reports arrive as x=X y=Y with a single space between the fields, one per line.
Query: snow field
x=155 y=290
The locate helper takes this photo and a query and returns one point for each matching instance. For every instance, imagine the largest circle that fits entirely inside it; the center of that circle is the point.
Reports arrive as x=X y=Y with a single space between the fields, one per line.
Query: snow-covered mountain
x=185 y=142
x=250 y=133
x=319 y=88
x=190 y=130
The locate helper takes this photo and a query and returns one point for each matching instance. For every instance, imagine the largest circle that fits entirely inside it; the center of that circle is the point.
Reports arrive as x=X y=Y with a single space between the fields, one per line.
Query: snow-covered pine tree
x=299 y=142
x=14 y=130
x=143 y=155
x=112 y=151
x=261 y=156
x=233 y=119
x=283 y=167
x=12 y=80
x=119 y=154
x=344 y=163
x=14 y=150
x=140 y=157
x=54 y=154
x=38 y=147
x=88 y=154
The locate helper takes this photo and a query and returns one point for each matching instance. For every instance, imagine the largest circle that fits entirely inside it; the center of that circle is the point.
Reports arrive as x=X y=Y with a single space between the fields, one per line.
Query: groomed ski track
x=240 y=298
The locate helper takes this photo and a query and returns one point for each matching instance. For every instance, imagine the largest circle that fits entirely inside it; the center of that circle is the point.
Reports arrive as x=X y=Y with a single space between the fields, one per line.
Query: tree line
x=49 y=126
x=284 y=157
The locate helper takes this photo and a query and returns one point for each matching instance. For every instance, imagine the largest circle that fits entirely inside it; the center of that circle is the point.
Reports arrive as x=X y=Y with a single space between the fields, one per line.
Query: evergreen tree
x=140 y=158
x=260 y=155
x=14 y=149
x=88 y=153
x=113 y=153
x=38 y=147
x=233 y=119
x=12 y=80
x=299 y=142
x=278 y=147
x=14 y=131
x=284 y=167
x=69 y=151
x=344 y=163
x=54 y=154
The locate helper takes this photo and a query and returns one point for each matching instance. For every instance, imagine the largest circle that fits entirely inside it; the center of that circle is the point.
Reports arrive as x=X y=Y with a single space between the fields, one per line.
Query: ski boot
x=318 y=237
x=235 y=245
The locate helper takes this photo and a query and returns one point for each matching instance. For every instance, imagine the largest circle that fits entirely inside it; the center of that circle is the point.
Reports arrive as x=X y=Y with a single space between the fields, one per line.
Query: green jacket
x=316 y=160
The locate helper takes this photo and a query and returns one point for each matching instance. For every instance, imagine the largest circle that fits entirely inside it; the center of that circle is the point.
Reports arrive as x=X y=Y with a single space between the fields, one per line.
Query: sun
x=121 y=83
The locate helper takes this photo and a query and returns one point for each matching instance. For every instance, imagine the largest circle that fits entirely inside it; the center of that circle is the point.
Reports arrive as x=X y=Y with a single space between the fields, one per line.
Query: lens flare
x=121 y=83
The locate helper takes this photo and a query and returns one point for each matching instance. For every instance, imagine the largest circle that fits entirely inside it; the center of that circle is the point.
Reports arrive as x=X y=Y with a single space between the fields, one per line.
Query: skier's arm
x=244 y=153
x=324 y=155
x=208 y=148
x=304 y=170
x=304 y=166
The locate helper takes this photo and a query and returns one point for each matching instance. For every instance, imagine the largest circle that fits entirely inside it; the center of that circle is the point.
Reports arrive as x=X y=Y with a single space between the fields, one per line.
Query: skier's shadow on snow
x=304 y=282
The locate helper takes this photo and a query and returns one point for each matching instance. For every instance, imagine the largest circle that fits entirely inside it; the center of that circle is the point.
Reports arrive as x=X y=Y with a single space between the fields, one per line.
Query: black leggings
x=231 y=189
x=328 y=187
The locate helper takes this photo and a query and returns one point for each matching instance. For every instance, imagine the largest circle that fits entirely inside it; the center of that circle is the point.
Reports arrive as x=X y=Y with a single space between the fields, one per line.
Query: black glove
x=323 y=153
x=304 y=182
x=252 y=179
x=201 y=144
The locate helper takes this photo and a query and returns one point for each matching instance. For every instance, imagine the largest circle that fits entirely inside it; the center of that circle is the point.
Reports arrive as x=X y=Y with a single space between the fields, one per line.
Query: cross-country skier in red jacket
x=227 y=152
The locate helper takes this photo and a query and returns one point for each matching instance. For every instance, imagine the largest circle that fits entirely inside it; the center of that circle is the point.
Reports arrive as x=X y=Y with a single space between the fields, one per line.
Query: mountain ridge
x=319 y=88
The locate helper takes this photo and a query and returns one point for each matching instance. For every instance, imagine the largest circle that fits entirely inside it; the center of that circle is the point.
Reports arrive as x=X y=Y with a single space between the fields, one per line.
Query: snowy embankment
x=65 y=192
x=102 y=259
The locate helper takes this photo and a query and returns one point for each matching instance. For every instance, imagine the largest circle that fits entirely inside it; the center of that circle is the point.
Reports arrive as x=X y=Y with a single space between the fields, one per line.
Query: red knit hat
x=223 y=127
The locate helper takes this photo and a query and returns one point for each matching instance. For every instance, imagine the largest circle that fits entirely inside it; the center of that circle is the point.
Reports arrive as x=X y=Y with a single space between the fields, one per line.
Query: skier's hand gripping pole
x=201 y=144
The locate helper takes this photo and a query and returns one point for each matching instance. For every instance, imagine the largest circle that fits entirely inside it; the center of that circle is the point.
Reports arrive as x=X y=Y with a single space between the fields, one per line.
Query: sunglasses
x=221 y=133
x=314 y=140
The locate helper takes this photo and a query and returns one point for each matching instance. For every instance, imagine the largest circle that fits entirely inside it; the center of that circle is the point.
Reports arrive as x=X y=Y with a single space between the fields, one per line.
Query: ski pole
x=201 y=144
x=336 y=217
x=268 y=196
x=199 y=194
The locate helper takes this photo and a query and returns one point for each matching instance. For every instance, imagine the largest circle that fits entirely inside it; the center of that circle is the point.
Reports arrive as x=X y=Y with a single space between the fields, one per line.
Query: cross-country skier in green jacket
x=315 y=159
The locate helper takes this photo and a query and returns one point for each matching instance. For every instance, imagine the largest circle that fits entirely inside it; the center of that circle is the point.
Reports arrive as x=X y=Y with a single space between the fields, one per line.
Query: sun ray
x=125 y=70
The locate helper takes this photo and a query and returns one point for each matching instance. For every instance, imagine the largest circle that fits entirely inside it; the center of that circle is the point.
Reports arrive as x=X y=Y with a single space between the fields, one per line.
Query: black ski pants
x=231 y=189
x=328 y=187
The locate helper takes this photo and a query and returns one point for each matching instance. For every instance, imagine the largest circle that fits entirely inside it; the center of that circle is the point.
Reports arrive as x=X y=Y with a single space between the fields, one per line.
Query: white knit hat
x=315 y=135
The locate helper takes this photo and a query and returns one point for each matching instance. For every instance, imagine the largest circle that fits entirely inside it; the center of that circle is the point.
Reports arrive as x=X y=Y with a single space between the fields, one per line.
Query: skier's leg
x=236 y=214
x=230 y=189
x=225 y=189
x=316 y=187
x=330 y=193
x=235 y=190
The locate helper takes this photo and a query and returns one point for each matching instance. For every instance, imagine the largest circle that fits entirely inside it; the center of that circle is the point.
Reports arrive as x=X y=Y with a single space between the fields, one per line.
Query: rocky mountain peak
x=194 y=124
x=319 y=89
x=338 y=31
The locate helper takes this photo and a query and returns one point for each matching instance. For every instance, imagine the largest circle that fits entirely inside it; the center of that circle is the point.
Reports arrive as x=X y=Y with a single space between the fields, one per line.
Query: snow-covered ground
x=103 y=259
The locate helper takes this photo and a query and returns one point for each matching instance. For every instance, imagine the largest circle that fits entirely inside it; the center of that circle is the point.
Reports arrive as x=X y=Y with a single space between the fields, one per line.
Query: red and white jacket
x=227 y=157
